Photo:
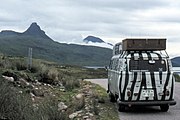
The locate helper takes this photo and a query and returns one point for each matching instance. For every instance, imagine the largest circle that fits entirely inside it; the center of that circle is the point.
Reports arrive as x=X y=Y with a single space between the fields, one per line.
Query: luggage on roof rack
x=144 y=44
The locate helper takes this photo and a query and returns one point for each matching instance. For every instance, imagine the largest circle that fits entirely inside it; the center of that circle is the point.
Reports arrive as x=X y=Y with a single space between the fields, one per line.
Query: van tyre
x=121 y=108
x=112 y=97
x=164 y=108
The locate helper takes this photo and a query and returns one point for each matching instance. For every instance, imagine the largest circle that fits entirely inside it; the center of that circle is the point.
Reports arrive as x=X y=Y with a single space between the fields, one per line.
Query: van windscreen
x=147 y=65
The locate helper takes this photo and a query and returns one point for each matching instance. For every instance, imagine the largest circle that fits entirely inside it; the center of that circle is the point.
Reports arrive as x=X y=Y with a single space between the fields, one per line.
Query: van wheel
x=164 y=108
x=121 y=108
x=112 y=97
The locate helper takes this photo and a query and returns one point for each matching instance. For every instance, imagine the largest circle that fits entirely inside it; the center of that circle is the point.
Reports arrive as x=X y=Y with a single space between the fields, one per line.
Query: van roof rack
x=144 y=44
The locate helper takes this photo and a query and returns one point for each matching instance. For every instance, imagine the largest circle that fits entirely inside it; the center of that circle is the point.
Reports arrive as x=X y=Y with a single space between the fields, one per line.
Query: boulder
x=10 y=74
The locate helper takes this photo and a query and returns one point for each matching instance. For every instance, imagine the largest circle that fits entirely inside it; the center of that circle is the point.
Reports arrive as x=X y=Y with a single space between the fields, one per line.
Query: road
x=148 y=113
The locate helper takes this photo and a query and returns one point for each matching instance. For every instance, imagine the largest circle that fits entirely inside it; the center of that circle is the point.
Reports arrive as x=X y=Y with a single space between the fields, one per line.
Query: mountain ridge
x=33 y=30
x=17 y=44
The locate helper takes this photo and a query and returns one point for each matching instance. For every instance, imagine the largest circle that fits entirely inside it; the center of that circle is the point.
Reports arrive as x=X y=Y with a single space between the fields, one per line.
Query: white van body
x=141 y=78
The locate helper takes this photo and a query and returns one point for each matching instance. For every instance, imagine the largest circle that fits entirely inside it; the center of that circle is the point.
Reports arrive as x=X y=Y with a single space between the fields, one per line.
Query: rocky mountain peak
x=35 y=30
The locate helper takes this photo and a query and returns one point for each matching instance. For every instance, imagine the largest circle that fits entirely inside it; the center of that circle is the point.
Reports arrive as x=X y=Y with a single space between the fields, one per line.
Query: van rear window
x=147 y=65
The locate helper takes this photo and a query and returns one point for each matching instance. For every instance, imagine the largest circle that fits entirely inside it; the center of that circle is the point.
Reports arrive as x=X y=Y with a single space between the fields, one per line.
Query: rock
x=87 y=108
x=61 y=106
x=10 y=74
x=50 y=86
x=91 y=114
x=62 y=88
x=33 y=99
x=23 y=83
x=32 y=95
x=78 y=112
x=73 y=115
x=38 y=92
x=11 y=79
x=38 y=83
x=79 y=96
x=88 y=119
x=20 y=92
x=85 y=117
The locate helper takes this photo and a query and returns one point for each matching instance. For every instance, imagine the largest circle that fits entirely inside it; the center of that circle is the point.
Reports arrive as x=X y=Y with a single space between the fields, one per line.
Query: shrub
x=49 y=111
x=5 y=63
x=70 y=83
x=48 y=75
x=20 y=65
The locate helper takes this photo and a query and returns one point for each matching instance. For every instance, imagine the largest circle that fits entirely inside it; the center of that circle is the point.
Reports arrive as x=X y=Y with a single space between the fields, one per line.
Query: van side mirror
x=106 y=67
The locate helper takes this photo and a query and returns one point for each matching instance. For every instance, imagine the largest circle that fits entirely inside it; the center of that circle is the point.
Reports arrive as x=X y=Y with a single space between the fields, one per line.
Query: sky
x=111 y=20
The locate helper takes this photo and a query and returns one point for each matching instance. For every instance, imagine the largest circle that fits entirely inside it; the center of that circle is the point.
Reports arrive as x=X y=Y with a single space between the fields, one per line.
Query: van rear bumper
x=147 y=103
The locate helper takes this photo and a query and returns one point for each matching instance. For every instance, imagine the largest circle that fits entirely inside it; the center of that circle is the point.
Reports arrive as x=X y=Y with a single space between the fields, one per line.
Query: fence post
x=29 y=59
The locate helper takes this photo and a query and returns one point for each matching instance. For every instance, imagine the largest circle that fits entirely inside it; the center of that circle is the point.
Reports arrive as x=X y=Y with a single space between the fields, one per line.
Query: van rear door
x=148 y=78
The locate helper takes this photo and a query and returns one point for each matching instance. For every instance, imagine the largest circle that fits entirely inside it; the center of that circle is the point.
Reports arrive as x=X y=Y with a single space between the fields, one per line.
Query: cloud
x=111 y=20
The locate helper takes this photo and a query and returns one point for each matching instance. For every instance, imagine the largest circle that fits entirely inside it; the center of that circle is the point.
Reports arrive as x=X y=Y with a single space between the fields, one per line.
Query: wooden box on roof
x=143 y=44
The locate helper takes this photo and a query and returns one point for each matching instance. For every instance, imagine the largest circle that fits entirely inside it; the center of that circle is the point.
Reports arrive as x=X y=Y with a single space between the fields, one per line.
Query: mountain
x=176 y=62
x=17 y=44
x=93 y=39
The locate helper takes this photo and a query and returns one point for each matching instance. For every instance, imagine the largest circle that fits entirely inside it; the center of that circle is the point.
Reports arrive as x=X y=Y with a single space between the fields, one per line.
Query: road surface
x=148 y=113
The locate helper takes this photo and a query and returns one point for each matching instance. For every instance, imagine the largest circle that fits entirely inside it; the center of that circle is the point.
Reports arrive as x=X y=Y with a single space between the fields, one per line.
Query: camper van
x=140 y=73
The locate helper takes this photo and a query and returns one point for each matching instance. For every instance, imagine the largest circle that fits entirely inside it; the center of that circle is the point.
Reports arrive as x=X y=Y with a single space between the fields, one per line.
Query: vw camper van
x=140 y=73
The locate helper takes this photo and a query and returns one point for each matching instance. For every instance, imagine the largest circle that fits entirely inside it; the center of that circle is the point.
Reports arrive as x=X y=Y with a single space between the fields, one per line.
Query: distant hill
x=17 y=44
x=176 y=62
